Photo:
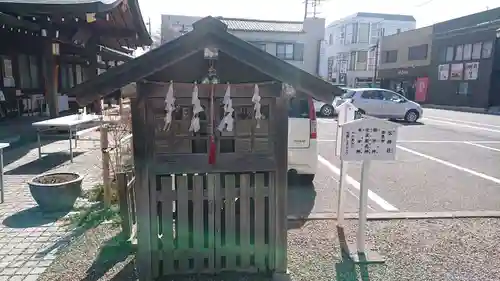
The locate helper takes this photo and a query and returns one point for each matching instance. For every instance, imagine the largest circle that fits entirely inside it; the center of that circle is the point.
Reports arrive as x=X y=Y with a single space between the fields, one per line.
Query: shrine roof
x=208 y=32
x=124 y=15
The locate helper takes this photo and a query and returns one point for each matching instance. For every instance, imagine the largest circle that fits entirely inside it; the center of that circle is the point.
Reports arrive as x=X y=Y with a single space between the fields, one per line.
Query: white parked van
x=302 y=138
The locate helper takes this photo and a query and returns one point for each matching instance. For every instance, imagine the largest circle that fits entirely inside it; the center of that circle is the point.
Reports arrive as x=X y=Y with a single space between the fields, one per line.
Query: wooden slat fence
x=126 y=196
x=208 y=223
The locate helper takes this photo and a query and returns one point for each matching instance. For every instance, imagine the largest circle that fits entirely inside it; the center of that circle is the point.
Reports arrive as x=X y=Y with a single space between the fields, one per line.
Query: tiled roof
x=386 y=16
x=263 y=25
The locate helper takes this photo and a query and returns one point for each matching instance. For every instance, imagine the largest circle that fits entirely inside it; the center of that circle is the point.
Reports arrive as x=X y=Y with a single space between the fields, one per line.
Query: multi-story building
x=405 y=62
x=297 y=42
x=351 y=45
x=465 y=61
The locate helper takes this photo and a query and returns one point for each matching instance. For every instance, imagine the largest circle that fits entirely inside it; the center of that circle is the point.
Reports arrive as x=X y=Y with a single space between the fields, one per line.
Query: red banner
x=421 y=88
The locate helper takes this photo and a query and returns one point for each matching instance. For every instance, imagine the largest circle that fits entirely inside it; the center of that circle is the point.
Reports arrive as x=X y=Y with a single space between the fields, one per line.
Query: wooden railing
x=126 y=196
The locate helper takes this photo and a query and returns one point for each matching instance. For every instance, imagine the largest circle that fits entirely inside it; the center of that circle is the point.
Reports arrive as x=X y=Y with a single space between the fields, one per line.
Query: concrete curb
x=400 y=215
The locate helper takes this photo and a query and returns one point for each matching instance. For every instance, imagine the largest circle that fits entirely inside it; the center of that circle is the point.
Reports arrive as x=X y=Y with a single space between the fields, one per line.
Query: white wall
x=335 y=46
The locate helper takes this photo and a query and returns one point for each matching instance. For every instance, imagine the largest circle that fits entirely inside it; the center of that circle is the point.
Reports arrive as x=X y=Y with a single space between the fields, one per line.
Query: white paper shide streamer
x=169 y=107
x=227 y=121
x=256 y=105
x=197 y=108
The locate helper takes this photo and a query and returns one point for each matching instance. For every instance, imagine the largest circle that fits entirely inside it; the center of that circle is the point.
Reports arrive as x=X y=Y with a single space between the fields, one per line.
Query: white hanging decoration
x=227 y=121
x=169 y=107
x=197 y=108
x=256 y=106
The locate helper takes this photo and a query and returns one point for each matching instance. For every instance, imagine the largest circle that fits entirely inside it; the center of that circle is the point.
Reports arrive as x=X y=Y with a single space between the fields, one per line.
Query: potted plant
x=56 y=191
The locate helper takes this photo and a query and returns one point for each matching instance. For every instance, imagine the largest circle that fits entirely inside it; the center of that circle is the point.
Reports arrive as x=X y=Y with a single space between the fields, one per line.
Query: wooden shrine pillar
x=50 y=76
x=92 y=70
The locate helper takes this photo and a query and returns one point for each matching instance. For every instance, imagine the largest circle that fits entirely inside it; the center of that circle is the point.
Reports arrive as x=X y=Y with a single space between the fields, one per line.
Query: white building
x=296 y=42
x=350 y=45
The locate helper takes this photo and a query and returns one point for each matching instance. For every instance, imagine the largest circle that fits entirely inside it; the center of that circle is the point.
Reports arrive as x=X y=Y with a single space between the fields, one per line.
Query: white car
x=302 y=138
x=327 y=110
x=382 y=103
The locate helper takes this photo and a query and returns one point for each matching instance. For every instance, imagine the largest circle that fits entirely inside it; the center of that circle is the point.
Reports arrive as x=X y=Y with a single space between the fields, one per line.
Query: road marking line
x=462 y=121
x=353 y=194
x=461 y=125
x=472 y=172
x=372 y=195
x=431 y=141
x=482 y=146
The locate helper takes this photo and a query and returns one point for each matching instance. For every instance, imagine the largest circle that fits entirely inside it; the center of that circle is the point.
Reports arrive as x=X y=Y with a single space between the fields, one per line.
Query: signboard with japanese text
x=457 y=71
x=471 y=70
x=444 y=71
x=368 y=139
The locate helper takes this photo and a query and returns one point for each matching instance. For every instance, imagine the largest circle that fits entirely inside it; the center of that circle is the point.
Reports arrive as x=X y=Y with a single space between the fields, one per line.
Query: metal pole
x=1 y=176
x=340 y=205
x=363 y=205
x=376 y=62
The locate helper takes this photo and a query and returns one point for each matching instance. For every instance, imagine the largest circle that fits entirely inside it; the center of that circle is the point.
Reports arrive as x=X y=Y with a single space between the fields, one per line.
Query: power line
x=424 y=3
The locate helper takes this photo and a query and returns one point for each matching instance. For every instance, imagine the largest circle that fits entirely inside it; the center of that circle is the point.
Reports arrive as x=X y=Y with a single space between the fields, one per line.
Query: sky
x=426 y=12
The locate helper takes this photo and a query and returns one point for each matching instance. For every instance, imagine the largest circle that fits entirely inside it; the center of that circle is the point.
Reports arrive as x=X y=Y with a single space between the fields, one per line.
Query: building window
x=487 y=49
x=28 y=72
x=364 y=33
x=381 y=32
x=352 y=61
x=284 y=51
x=418 y=52
x=459 y=52
x=79 y=74
x=463 y=88
x=476 y=50
x=355 y=29
x=330 y=39
x=449 y=53
x=467 y=51
x=259 y=45
x=362 y=58
x=390 y=56
x=442 y=54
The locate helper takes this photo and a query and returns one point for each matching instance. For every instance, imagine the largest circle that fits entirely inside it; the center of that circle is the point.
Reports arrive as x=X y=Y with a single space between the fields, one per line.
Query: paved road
x=450 y=162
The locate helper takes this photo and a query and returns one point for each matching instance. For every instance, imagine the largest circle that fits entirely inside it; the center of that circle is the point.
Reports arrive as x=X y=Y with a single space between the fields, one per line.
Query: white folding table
x=72 y=123
x=2 y=146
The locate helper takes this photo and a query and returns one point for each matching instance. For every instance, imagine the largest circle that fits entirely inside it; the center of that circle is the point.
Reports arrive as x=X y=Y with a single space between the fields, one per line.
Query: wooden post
x=50 y=78
x=122 y=185
x=105 y=165
x=281 y=193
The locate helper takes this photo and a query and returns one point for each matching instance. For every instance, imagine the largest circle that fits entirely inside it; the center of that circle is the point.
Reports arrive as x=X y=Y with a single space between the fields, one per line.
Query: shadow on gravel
x=115 y=250
x=346 y=270
x=301 y=199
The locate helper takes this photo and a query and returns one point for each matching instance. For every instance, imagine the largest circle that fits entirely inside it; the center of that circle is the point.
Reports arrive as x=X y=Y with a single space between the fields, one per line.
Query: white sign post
x=347 y=113
x=365 y=140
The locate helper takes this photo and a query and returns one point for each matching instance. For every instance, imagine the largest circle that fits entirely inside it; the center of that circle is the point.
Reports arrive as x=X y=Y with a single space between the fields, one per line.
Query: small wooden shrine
x=210 y=130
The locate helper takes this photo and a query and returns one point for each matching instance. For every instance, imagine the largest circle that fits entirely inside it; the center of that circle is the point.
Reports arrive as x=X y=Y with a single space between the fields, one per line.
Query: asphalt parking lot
x=448 y=162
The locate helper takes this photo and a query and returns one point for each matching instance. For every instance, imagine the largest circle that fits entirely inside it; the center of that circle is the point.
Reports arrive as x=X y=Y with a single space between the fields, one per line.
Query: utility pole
x=376 y=62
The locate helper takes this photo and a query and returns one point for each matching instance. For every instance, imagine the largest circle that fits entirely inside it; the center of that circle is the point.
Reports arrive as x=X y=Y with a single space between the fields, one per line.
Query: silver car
x=383 y=103
x=328 y=110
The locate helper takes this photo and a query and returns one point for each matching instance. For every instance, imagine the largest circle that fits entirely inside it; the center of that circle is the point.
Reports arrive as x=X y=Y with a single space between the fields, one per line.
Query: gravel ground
x=415 y=250
x=87 y=260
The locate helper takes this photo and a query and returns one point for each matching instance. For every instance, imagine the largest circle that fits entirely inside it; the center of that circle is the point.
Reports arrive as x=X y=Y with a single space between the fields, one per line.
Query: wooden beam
x=13 y=21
